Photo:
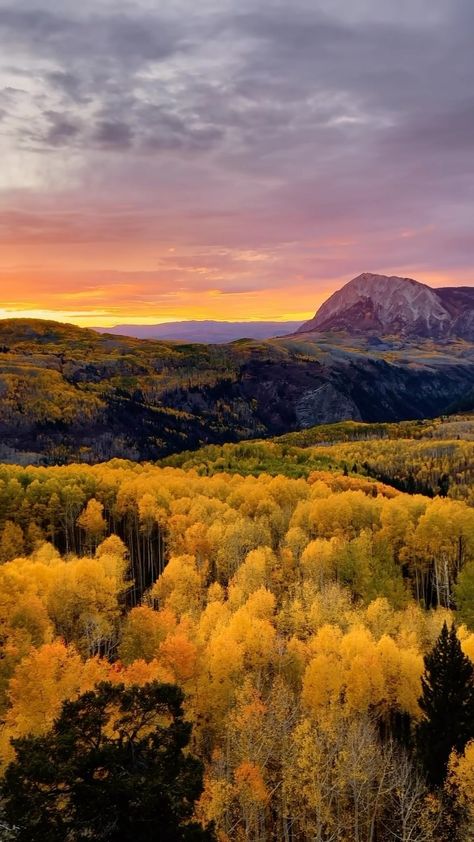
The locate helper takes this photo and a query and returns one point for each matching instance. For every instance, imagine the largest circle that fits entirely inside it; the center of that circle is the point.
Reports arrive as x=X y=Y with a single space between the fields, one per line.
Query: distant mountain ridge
x=71 y=394
x=209 y=332
x=386 y=305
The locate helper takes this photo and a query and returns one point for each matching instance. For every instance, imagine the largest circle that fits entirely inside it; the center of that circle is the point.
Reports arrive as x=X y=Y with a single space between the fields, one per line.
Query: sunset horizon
x=214 y=305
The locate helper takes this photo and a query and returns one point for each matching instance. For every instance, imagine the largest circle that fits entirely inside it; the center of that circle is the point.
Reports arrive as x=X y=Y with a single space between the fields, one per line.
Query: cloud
x=61 y=130
x=88 y=34
x=315 y=132
x=113 y=134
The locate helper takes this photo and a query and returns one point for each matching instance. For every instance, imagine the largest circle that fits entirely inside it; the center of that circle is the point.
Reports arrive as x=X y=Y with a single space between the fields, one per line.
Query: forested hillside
x=434 y=457
x=68 y=394
x=294 y=613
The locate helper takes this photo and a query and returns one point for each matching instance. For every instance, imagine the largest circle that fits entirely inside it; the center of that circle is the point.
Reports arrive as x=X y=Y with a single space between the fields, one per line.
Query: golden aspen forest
x=295 y=613
x=236 y=421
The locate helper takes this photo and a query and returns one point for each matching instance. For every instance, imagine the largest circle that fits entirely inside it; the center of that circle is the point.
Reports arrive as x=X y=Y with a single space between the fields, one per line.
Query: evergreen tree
x=113 y=768
x=447 y=702
x=443 y=485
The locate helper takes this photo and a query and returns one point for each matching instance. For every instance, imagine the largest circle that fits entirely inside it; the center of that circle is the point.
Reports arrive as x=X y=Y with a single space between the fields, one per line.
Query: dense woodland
x=427 y=457
x=296 y=614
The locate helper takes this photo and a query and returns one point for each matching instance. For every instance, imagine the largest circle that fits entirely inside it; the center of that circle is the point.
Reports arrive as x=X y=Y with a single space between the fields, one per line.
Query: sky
x=230 y=159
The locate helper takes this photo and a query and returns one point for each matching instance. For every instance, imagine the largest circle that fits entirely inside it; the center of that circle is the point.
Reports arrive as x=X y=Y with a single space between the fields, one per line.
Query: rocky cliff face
x=401 y=306
x=325 y=405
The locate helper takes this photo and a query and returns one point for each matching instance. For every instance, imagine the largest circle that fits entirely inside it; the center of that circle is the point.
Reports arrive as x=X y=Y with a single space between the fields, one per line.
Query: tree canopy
x=114 y=767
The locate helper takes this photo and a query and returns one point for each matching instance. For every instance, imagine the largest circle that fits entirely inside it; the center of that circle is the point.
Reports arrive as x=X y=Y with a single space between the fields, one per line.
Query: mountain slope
x=71 y=394
x=396 y=306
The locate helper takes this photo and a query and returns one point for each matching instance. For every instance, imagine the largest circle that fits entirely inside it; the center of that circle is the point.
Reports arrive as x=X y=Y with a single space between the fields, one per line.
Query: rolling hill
x=71 y=394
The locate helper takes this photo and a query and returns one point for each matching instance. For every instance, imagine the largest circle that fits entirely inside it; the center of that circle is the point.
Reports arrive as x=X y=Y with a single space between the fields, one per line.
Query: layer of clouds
x=330 y=137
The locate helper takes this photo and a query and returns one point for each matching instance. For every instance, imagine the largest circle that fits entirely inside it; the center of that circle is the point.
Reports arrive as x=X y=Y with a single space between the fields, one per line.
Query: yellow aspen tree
x=11 y=541
x=92 y=521
x=460 y=780
x=144 y=631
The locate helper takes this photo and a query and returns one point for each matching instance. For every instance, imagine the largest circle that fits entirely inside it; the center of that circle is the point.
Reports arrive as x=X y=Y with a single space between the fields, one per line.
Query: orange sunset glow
x=76 y=284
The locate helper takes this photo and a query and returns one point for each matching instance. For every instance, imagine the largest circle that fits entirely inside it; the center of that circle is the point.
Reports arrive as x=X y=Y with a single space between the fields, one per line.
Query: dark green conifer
x=113 y=768
x=447 y=703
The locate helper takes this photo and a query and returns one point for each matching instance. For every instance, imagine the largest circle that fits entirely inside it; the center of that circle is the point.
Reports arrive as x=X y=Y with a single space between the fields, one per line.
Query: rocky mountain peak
x=392 y=305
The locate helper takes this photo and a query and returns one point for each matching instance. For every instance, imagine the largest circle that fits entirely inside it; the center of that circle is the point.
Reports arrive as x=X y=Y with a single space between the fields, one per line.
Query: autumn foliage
x=293 y=613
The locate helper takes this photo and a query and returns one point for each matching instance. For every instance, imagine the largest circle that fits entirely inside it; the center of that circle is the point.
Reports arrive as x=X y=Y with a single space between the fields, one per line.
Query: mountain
x=209 y=332
x=72 y=394
x=397 y=306
x=459 y=302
